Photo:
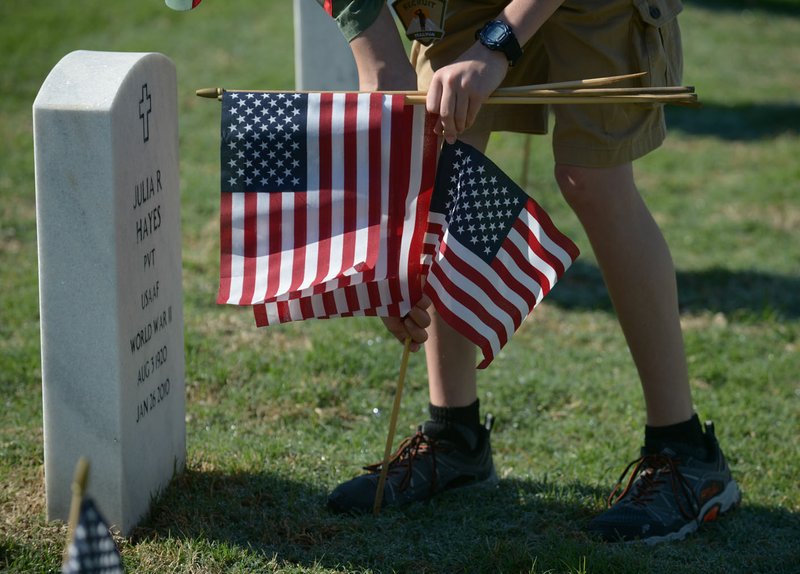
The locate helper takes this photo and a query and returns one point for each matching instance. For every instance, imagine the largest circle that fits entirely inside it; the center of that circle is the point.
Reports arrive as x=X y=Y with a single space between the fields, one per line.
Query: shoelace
x=651 y=471
x=410 y=449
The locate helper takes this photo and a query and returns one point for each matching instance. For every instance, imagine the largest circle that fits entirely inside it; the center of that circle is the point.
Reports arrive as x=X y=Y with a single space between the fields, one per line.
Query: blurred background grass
x=277 y=417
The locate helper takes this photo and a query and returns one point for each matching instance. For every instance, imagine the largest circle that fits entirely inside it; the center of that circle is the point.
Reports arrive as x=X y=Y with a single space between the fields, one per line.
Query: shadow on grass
x=509 y=528
x=271 y=516
x=740 y=122
x=714 y=290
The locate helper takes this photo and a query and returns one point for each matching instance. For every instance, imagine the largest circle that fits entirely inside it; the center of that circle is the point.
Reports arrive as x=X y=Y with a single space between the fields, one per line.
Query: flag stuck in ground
x=499 y=253
x=92 y=549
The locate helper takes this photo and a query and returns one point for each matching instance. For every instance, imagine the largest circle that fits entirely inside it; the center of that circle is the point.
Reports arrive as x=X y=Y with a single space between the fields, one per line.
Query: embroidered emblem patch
x=423 y=20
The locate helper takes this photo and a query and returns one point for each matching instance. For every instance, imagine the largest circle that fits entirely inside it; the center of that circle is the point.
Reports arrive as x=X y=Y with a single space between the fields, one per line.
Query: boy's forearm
x=526 y=16
x=381 y=57
x=379 y=53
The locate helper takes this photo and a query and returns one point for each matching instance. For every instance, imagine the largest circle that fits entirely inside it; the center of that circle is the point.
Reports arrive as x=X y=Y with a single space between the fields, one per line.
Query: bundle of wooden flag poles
x=587 y=91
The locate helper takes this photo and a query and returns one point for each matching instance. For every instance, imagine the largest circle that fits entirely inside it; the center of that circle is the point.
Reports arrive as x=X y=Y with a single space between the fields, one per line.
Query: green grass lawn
x=277 y=417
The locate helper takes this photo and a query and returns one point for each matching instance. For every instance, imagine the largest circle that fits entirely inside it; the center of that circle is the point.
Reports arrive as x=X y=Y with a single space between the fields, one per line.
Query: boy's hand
x=413 y=325
x=458 y=90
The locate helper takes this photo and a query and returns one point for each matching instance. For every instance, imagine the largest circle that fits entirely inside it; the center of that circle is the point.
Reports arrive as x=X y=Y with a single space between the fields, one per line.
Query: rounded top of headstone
x=90 y=80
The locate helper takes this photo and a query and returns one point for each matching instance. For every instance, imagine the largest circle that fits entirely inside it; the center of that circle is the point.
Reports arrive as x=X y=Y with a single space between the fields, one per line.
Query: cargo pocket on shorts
x=659 y=42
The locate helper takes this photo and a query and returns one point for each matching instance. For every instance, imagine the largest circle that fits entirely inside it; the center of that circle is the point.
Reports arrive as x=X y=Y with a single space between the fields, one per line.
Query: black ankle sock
x=469 y=415
x=688 y=433
x=455 y=424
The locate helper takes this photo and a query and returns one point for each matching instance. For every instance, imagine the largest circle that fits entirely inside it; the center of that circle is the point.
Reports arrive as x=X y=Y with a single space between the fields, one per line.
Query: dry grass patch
x=779 y=217
x=24 y=515
x=234 y=328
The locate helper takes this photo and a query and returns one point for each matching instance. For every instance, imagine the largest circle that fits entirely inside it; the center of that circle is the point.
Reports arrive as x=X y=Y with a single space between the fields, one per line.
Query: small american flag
x=92 y=549
x=499 y=253
x=323 y=194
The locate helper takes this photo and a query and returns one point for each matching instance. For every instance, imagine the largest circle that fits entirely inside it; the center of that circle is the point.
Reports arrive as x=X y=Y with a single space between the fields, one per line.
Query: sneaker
x=421 y=467
x=668 y=495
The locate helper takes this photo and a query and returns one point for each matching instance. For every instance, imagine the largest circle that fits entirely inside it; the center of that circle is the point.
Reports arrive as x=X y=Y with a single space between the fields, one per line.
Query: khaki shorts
x=583 y=39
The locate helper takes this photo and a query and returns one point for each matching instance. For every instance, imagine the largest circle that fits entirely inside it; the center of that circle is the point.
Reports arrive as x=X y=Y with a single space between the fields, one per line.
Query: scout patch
x=422 y=19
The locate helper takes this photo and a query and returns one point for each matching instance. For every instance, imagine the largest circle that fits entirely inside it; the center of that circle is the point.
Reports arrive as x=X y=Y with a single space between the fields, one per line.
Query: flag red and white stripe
x=322 y=192
x=499 y=252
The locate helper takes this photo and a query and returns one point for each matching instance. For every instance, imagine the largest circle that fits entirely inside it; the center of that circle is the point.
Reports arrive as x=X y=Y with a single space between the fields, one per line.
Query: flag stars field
x=485 y=194
x=258 y=124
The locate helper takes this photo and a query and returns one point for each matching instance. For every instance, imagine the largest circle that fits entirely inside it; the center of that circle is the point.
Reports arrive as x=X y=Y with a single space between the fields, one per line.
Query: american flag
x=92 y=549
x=322 y=194
x=499 y=253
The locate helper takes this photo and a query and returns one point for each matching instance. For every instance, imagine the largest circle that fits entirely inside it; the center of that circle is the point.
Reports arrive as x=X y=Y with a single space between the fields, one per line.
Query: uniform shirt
x=353 y=16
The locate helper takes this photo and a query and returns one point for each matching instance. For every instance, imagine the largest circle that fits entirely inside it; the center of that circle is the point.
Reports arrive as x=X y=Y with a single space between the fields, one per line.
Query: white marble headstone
x=111 y=301
x=322 y=58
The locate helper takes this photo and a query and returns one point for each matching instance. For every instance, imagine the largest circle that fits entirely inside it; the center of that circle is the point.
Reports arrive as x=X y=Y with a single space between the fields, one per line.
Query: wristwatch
x=499 y=36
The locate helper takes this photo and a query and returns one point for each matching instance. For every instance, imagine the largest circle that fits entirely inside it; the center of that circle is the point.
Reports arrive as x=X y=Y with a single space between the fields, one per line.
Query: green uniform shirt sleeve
x=353 y=16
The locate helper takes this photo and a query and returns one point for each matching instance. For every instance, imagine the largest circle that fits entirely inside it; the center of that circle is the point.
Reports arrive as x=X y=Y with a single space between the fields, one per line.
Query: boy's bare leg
x=638 y=270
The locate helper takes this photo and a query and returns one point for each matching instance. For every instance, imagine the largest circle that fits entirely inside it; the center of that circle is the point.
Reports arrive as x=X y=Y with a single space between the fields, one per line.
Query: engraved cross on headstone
x=144 y=114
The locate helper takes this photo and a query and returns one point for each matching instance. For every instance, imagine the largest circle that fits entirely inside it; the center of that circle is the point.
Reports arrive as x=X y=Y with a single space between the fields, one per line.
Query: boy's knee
x=587 y=188
x=575 y=184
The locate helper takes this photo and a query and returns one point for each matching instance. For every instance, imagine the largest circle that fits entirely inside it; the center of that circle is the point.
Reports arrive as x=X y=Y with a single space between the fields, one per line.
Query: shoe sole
x=723 y=503
x=489 y=481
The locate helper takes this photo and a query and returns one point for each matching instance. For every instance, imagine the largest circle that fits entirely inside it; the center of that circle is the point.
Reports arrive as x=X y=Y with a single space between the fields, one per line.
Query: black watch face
x=495 y=34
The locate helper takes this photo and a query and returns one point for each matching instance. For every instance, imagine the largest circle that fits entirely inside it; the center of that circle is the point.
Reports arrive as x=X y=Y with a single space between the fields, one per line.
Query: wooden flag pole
x=387 y=452
x=604 y=81
x=576 y=84
x=526 y=153
x=657 y=90
x=216 y=93
x=584 y=84
x=670 y=95
x=688 y=99
x=79 y=481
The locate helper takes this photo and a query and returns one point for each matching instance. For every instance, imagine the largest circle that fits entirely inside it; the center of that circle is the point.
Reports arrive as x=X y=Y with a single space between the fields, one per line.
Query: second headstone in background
x=322 y=58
